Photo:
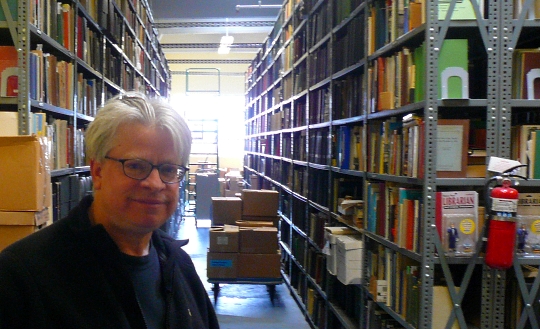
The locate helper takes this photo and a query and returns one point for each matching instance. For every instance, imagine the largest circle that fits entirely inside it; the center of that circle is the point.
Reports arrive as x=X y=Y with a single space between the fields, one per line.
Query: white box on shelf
x=350 y=259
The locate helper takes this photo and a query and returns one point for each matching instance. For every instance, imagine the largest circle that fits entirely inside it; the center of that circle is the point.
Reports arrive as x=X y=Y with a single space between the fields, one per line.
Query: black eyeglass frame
x=158 y=167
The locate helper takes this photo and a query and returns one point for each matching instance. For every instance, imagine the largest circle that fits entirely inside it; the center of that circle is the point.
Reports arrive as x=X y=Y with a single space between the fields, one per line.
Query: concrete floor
x=241 y=306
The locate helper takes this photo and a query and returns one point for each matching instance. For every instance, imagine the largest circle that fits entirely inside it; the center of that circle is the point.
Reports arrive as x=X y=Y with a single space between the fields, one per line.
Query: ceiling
x=191 y=30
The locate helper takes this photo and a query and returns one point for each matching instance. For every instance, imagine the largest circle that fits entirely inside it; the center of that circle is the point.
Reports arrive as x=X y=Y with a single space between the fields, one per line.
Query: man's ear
x=95 y=171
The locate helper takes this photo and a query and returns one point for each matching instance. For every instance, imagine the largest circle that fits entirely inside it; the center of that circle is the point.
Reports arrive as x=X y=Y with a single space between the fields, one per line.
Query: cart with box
x=244 y=241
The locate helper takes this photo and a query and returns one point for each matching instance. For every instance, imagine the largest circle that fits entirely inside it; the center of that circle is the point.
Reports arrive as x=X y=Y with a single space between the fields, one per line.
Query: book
x=526 y=71
x=519 y=143
x=533 y=153
x=452 y=146
x=412 y=145
x=530 y=12
x=344 y=147
x=356 y=146
x=456 y=217
x=408 y=226
x=453 y=69
x=9 y=71
x=528 y=225
x=442 y=308
x=391 y=211
x=463 y=9
x=419 y=59
x=373 y=197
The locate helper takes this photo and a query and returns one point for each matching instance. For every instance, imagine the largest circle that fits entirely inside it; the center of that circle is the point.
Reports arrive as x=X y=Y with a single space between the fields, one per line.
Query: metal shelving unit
x=204 y=159
x=272 y=153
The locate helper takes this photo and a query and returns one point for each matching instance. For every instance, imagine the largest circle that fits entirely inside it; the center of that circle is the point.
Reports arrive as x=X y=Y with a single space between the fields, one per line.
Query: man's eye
x=136 y=165
x=171 y=170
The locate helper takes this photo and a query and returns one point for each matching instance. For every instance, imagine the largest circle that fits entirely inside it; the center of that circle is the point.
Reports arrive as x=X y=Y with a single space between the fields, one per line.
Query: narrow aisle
x=241 y=306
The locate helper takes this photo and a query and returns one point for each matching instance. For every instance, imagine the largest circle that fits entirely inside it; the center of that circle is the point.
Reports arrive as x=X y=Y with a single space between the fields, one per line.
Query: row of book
x=55 y=19
x=320 y=24
x=401 y=285
x=398 y=80
x=348 y=48
x=395 y=213
x=51 y=79
x=396 y=147
x=68 y=192
x=87 y=95
x=347 y=97
x=389 y=20
x=89 y=46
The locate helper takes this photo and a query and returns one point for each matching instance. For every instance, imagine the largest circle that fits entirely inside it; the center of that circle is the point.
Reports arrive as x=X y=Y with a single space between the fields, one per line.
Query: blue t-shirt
x=145 y=273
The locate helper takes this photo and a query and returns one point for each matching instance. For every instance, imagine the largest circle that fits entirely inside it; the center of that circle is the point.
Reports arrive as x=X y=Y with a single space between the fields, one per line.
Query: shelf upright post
x=23 y=48
x=498 y=119
x=428 y=251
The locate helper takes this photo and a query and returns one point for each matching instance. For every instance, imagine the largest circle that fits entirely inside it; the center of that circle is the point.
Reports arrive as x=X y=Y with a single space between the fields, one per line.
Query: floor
x=241 y=306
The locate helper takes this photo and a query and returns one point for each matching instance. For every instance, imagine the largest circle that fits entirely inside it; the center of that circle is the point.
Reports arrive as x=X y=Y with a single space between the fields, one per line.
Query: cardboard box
x=235 y=186
x=254 y=182
x=331 y=235
x=379 y=289
x=271 y=219
x=226 y=210
x=25 y=183
x=224 y=239
x=253 y=223
x=9 y=123
x=15 y=225
x=234 y=175
x=258 y=240
x=260 y=202
x=230 y=194
x=349 y=259
x=221 y=265
x=259 y=265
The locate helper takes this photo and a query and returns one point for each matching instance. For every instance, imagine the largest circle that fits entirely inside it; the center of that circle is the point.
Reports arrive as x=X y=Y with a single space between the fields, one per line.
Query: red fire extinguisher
x=502 y=226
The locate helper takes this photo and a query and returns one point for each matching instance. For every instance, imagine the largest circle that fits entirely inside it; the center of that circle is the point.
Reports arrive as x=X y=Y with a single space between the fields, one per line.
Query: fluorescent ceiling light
x=227 y=40
x=225 y=44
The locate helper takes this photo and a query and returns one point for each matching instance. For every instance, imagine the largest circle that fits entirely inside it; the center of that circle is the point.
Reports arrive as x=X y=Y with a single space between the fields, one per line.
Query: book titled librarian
x=457 y=222
x=528 y=225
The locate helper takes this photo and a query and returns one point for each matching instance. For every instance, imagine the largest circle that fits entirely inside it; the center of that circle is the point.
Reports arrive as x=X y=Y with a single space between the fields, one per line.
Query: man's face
x=126 y=204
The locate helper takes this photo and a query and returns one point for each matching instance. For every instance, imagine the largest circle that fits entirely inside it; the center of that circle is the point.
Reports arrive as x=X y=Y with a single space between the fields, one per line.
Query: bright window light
x=223 y=50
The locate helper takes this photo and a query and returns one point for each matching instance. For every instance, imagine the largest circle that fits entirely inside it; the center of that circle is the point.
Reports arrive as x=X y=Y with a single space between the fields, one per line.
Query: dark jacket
x=70 y=275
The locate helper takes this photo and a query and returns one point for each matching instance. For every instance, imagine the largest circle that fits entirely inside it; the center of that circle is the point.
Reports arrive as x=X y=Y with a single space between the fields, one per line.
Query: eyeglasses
x=140 y=169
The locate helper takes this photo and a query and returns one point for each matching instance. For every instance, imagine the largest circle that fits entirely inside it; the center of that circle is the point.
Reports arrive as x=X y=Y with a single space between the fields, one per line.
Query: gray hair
x=134 y=107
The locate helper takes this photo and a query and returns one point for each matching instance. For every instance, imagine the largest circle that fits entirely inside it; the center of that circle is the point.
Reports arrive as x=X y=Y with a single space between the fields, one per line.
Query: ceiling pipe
x=259 y=6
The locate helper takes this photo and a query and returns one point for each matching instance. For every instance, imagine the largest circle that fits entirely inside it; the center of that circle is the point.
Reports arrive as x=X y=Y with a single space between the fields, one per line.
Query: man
x=453 y=237
x=107 y=265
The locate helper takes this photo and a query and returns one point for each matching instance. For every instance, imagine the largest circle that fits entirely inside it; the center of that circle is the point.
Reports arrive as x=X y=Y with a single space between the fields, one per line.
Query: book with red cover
x=8 y=64
x=406 y=226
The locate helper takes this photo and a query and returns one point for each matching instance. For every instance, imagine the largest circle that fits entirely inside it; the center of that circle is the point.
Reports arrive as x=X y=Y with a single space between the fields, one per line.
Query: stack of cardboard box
x=246 y=245
x=231 y=184
x=25 y=187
